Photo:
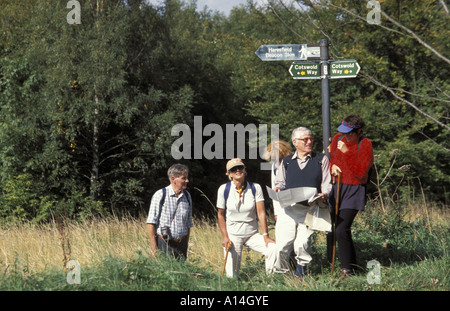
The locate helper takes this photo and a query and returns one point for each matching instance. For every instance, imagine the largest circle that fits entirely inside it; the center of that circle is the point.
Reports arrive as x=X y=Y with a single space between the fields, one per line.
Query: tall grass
x=411 y=245
x=38 y=246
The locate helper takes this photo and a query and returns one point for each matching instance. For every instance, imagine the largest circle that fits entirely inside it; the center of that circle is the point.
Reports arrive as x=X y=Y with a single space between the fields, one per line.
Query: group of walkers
x=338 y=182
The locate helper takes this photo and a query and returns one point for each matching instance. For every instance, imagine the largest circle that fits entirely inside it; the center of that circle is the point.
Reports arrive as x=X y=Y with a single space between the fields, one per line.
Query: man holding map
x=306 y=174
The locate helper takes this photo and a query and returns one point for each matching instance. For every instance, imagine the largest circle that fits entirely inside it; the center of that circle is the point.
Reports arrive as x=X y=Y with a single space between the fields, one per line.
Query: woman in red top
x=351 y=156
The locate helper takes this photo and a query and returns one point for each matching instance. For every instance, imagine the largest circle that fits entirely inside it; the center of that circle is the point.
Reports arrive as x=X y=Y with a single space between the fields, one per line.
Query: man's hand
x=322 y=197
x=226 y=242
x=268 y=240
x=151 y=228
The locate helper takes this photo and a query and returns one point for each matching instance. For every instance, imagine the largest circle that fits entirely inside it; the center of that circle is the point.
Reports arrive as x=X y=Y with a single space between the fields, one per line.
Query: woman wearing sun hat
x=240 y=208
x=351 y=156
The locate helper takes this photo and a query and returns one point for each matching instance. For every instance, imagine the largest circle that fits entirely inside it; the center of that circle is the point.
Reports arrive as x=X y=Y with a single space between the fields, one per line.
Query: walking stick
x=335 y=221
x=226 y=257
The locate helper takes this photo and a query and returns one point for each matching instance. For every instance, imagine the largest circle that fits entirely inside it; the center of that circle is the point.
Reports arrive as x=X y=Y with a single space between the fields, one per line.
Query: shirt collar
x=244 y=187
x=294 y=156
x=172 y=192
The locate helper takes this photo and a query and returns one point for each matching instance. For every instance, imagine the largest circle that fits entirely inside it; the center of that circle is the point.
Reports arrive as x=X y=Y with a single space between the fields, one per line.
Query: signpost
x=274 y=52
x=348 y=68
x=304 y=68
x=326 y=127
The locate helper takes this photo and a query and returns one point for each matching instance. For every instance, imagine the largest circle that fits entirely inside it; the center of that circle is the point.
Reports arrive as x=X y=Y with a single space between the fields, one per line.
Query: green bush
x=19 y=201
x=388 y=237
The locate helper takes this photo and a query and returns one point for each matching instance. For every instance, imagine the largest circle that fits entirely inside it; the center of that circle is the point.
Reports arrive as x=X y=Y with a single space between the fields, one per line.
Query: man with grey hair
x=170 y=216
x=303 y=168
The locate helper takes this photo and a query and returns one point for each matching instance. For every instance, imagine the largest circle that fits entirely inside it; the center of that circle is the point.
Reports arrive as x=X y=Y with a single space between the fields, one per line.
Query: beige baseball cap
x=234 y=162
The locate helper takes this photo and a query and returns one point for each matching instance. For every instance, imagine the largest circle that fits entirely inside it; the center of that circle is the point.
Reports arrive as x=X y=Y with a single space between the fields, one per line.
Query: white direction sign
x=277 y=52
x=305 y=70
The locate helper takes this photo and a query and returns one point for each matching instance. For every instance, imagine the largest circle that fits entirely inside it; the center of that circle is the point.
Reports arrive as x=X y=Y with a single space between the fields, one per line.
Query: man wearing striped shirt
x=170 y=215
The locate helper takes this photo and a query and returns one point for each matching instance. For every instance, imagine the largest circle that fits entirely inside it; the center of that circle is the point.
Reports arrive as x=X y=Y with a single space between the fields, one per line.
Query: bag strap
x=226 y=192
x=286 y=160
x=163 y=198
x=161 y=202
x=359 y=143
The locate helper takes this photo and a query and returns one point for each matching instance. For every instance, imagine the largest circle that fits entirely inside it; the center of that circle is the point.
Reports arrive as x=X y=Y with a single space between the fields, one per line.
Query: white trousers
x=255 y=242
x=291 y=234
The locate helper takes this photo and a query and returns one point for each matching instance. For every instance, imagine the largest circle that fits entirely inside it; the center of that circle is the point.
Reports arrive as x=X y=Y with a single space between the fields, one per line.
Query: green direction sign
x=344 y=69
x=305 y=70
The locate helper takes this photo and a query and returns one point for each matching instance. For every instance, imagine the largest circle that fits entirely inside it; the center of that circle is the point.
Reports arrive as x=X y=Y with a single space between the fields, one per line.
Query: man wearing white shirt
x=304 y=168
x=169 y=219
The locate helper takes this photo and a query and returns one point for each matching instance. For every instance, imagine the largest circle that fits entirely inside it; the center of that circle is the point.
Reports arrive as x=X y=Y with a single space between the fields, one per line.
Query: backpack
x=227 y=190
x=163 y=199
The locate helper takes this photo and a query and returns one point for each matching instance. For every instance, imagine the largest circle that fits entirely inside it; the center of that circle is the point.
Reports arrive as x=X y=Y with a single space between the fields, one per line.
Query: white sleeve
x=221 y=197
x=259 y=195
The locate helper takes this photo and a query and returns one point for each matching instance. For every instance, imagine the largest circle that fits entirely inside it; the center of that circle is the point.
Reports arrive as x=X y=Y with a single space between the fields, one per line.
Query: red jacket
x=355 y=163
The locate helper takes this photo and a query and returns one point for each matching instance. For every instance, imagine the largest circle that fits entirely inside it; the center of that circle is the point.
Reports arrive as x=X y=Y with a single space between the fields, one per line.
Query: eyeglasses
x=305 y=140
x=234 y=169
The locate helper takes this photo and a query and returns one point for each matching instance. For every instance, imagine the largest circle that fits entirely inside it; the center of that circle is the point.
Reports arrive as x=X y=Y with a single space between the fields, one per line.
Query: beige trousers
x=292 y=234
x=254 y=242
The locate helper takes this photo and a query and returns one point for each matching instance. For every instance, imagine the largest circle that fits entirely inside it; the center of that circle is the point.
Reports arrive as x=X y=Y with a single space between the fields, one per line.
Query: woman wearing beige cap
x=241 y=207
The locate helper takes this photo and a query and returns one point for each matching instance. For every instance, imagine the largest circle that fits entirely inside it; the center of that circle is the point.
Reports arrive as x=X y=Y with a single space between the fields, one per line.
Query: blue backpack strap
x=163 y=198
x=188 y=195
x=161 y=202
x=339 y=139
x=359 y=143
x=226 y=192
x=252 y=186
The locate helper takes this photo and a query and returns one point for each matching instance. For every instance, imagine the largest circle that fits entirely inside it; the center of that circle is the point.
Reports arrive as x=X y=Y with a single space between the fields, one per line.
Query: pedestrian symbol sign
x=283 y=52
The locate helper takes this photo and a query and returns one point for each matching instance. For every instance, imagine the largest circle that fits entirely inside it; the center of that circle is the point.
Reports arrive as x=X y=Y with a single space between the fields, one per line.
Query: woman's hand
x=342 y=146
x=335 y=170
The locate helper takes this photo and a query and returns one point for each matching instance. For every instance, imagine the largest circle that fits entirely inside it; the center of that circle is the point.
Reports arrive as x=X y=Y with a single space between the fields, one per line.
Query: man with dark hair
x=170 y=215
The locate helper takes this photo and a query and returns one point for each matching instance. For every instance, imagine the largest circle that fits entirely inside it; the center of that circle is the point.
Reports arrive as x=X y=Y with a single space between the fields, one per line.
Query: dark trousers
x=177 y=249
x=345 y=247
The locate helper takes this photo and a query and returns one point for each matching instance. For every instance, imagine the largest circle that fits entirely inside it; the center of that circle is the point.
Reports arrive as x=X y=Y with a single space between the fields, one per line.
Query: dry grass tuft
x=33 y=248
x=38 y=247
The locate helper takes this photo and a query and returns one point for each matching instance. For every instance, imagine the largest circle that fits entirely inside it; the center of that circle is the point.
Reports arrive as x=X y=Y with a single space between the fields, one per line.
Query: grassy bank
x=411 y=248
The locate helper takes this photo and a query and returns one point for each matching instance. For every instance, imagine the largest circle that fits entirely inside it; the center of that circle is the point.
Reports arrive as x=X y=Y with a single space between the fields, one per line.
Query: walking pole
x=226 y=257
x=335 y=221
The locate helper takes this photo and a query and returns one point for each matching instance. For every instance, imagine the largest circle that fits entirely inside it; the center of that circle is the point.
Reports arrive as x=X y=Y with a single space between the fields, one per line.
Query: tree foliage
x=86 y=110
